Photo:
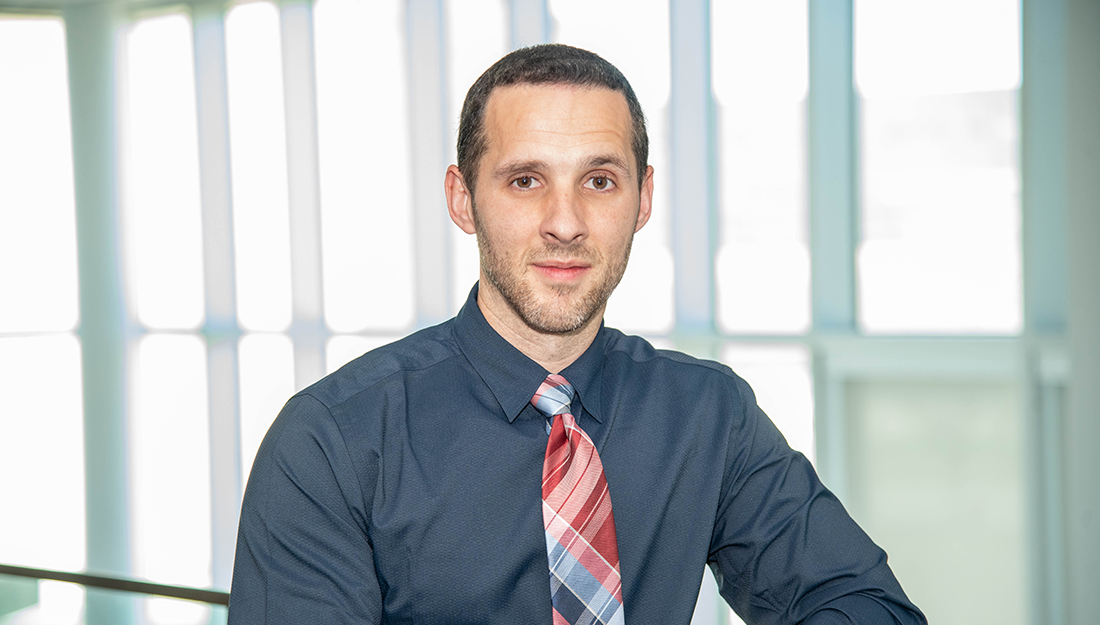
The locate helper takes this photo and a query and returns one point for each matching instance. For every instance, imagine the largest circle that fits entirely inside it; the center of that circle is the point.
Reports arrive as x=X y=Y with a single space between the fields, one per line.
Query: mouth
x=561 y=270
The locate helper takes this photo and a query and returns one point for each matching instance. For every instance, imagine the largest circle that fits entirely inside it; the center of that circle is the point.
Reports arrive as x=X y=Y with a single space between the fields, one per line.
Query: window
x=365 y=190
x=940 y=250
x=302 y=116
x=761 y=76
x=42 y=426
x=937 y=480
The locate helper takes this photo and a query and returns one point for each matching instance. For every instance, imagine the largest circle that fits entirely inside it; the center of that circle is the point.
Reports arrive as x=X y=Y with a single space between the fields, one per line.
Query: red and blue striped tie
x=585 y=585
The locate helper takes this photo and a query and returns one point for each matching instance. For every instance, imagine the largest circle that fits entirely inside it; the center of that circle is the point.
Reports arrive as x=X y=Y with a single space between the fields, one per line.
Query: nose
x=564 y=220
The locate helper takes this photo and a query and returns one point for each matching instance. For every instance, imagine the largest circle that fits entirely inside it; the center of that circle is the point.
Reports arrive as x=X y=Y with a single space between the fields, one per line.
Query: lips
x=564 y=270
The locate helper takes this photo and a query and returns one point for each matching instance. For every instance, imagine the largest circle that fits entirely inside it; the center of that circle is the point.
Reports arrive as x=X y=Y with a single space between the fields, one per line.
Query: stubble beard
x=566 y=310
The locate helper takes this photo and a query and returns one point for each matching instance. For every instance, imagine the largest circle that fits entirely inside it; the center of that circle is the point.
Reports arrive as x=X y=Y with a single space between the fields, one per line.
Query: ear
x=645 y=205
x=460 y=202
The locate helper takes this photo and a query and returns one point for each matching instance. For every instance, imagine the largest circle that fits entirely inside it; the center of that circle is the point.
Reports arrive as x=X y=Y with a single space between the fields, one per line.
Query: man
x=521 y=463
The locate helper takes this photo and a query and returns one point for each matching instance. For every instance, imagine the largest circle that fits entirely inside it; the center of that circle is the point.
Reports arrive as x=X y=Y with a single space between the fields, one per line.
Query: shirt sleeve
x=784 y=550
x=303 y=552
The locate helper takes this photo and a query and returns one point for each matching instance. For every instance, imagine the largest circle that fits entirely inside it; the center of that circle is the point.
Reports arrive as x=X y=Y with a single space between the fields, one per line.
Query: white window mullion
x=299 y=89
x=1043 y=208
x=221 y=329
x=429 y=138
x=91 y=41
x=691 y=136
x=831 y=175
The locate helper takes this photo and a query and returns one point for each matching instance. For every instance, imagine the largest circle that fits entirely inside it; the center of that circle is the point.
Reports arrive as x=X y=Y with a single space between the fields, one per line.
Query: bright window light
x=477 y=37
x=42 y=426
x=266 y=382
x=170 y=472
x=366 y=186
x=38 y=276
x=639 y=47
x=161 y=174
x=940 y=249
x=781 y=378
x=257 y=135
x=760 y=73
x=936 y=46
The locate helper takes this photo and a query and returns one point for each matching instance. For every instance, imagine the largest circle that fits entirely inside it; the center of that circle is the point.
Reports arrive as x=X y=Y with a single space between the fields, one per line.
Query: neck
x=554 y=352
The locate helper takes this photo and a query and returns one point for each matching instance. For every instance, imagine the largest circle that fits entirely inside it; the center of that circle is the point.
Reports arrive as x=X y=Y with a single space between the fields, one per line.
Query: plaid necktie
x=585 y=585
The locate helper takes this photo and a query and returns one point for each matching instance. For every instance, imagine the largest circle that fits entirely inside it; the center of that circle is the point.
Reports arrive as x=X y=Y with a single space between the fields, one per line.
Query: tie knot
x=554 y=396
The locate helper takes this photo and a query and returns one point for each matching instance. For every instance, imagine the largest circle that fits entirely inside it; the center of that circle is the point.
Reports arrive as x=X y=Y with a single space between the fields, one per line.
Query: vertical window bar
x=1042 y=121
x=221 y=330
x=427 y=45
x=831 y=154
x=831 y=172
x=691 y=174
x=1043 y=383
x=91 y=40
x=299 y=88
x=830 y=423
x=1081 y=434
x=1043 y=166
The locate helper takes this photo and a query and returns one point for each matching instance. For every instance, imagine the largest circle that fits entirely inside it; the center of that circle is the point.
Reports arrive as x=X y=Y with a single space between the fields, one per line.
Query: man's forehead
x=525 y=109
x=545 y=91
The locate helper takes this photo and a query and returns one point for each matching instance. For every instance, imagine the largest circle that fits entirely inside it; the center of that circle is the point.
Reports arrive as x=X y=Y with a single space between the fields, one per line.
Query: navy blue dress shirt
x=406 y=488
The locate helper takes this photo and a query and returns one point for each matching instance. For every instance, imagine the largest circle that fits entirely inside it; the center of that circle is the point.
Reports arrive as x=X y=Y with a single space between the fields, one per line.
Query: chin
x=558 y=313
x=554 y=323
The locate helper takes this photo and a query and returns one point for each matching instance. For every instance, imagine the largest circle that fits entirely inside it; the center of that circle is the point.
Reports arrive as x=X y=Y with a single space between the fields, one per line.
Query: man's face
x=557 y=203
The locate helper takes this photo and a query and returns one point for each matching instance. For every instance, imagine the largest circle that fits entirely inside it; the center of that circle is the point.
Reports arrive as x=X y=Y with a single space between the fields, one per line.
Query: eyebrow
x=600 y=160
x=508 y=170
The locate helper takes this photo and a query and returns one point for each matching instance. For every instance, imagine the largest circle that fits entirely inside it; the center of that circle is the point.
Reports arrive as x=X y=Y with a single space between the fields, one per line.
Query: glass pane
x=170 y=472
x=760 y=73
x=257 y=134
x=940 y=248
x=477 y=33
x=38 y=276
x=976 y=46
x=366 y=218
x=267 y=381
x=639 y=47
x=937 y=479
x=781 y=378
x=42 y=461
x=161 y=174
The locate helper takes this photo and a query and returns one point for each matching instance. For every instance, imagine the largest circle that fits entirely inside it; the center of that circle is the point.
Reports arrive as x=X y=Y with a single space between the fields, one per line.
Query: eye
x=600 y=183
x=525 y=182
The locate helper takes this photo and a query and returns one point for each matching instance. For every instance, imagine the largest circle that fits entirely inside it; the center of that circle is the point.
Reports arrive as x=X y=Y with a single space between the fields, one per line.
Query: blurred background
x=882 y=214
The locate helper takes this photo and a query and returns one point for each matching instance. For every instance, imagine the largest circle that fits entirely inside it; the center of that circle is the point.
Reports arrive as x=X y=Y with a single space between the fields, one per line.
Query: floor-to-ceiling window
x=41 y=430
x=280 y=191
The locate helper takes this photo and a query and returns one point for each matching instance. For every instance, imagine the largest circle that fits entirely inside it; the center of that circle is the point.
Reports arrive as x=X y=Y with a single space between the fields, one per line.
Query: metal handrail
x=204 y=595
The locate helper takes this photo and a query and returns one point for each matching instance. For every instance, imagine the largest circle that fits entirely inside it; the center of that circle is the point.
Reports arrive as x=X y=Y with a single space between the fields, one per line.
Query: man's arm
x=784 y=550
x=303 y=555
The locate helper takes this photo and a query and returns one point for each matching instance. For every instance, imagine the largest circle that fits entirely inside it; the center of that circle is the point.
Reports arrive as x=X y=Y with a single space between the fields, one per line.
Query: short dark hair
x=553 y=64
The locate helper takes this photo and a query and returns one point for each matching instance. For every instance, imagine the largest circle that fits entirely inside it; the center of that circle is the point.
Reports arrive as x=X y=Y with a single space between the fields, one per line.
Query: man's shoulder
x=640 y=355
x=416 y=352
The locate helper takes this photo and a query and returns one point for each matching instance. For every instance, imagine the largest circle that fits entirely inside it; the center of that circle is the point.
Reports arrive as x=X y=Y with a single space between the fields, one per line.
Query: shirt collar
x=512 y=377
